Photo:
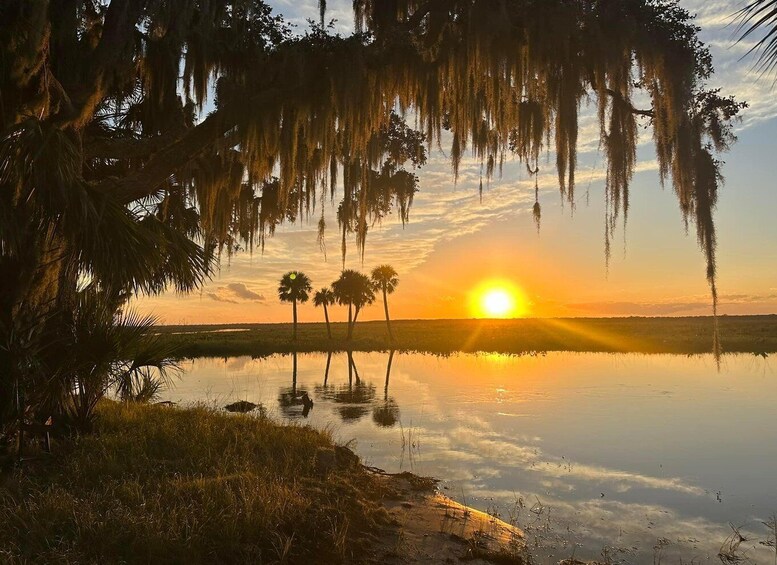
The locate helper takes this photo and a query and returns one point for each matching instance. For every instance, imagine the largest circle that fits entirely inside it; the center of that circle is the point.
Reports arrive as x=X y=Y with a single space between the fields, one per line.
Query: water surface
x=642 y=457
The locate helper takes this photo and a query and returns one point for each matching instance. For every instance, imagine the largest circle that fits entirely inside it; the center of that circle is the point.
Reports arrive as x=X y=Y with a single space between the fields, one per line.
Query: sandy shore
x=428 y=527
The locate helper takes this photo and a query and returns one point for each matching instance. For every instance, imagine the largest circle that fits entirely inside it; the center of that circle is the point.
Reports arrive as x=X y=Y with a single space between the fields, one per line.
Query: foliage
x=761 y=15
x=110 y=351
x=356 y=290
x=107 y=350
x=324 y=297
x=385 y=278
x=294 y=287
x=163 y=485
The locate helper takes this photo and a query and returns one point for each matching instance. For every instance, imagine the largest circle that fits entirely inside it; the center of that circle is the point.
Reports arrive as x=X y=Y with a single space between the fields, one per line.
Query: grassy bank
x=160 y=484
x=739 y=334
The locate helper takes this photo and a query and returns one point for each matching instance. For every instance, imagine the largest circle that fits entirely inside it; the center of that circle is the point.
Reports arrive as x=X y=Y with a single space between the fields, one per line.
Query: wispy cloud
x=242 y=291
x=234 y=293
x=218 y=298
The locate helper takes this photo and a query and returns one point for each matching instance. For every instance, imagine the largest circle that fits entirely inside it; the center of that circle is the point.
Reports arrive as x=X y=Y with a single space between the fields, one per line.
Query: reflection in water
x=386 y=414
x=354 y=398
x=677 y=449
x=328 y=364
x=294 y=403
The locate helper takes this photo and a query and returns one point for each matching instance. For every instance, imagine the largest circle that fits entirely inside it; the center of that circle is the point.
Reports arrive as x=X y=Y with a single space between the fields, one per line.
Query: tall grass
x=739 y=334
x=158 y=484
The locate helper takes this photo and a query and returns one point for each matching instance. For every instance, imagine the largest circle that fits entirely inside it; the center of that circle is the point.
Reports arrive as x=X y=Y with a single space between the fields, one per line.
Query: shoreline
x=157 y=483
x=428 y=527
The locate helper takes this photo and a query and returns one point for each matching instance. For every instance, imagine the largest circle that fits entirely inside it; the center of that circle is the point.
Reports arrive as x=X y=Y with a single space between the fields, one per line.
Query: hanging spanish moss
x=298 y=117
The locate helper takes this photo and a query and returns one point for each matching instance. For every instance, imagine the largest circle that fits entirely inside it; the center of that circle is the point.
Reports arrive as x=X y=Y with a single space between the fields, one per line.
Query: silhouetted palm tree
x=761 y=15
x=385 y=279
x=294 y=287
x=325 y=297
x=354 y=289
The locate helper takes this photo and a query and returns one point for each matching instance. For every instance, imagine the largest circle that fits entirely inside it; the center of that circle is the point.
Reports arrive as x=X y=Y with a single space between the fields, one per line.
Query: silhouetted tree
x=294 y=287
x=325 y=297
x=385 y=279
x=354 y=289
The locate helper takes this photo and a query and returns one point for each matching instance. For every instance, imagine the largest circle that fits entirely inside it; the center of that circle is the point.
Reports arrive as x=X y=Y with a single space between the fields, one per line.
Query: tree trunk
x=388 y=320
x=355 y=371
x=350 y=322
x=326 y=317
x=294 y=373
x=326 y=371
x=353 y=324
x=294 y=331
x=388 y=374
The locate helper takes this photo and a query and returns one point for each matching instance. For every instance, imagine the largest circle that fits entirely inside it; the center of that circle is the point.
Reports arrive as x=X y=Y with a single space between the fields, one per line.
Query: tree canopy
x=111 y=171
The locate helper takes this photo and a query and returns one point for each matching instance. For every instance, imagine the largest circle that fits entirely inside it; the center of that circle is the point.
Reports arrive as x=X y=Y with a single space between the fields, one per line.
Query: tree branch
x=415 y=20
x=168 y=160
x=128 y=147
x=117 y=34
x=646 y=113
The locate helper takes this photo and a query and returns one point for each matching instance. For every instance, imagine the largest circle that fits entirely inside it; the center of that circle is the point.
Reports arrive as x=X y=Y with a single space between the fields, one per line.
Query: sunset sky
x=455 y=244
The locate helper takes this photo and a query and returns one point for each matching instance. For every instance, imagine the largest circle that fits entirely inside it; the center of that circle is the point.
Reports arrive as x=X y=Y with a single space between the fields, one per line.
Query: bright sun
x=498 y=299
x=498 y=303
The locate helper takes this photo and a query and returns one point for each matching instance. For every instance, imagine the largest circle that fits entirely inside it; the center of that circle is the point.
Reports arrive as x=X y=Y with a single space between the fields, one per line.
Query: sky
x=456 y=244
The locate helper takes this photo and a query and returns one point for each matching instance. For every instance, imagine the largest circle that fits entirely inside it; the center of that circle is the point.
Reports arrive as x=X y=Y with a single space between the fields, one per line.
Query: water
x=644 y=458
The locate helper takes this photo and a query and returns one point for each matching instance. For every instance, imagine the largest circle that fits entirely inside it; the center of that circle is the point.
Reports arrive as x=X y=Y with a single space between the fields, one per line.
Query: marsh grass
x=739 y=334
x=161 y=484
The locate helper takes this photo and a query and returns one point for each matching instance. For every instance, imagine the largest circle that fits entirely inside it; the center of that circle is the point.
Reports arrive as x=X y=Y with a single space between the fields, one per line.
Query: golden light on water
x=498 y=299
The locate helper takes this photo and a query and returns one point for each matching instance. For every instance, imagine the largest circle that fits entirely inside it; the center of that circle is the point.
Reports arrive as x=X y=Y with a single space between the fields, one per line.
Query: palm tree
x=294 y=287
x=761 y=15
x=385 y=279
x=325 y=297
x=354 y=289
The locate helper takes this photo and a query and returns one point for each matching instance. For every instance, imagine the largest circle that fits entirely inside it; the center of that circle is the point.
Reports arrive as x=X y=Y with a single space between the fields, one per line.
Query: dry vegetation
x=143 y=490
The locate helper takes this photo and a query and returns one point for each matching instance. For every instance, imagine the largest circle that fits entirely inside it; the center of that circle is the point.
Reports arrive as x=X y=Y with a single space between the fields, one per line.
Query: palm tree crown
x=356 y=290
x=385 y=278
x=353 y=288
x=324 y=297
x=294 y=287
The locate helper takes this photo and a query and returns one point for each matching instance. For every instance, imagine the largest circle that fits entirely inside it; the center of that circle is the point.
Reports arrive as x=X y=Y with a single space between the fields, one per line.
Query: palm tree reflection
x=354 y=398
x=386 y=414
x=294 y=403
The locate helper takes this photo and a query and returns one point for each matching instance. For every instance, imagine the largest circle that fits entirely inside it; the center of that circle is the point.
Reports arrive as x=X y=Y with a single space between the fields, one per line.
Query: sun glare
x=496 y=299
x=498 y=303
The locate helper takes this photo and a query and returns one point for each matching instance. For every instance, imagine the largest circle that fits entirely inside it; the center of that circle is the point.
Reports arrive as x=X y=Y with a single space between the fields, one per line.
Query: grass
x=158 y=484
x=692 y=335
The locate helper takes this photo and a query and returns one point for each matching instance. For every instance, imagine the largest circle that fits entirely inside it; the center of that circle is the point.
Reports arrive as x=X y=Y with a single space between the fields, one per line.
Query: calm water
x=643 y=457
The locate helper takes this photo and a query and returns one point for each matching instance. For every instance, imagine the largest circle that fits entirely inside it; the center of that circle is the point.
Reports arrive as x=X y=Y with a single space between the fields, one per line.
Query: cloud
x=242 y=291
x=219 y=298
x=234 y=293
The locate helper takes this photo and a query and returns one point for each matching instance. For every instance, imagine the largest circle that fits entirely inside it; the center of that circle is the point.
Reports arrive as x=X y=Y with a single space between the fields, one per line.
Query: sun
x=498 y=299
x=498 y=303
